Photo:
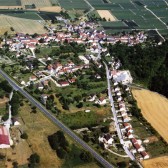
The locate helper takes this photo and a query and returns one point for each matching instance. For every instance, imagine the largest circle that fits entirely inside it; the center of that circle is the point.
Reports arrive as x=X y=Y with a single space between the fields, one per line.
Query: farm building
x=4 y=137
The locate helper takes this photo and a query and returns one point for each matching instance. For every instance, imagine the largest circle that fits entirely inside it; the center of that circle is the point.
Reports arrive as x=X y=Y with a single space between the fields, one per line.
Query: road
x=56 y=121
x=127 y=151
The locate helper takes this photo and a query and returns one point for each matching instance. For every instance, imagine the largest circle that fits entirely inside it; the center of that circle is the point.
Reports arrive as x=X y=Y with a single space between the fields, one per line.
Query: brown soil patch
x=160 y=162
x=154 y=108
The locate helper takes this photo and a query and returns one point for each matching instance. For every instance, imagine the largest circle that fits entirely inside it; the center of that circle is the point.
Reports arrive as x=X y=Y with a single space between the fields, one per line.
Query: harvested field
x=160 y=162
x=107 y=15
x=51 y=9
x=21 y=25
x=38 y=3
x=154 y=108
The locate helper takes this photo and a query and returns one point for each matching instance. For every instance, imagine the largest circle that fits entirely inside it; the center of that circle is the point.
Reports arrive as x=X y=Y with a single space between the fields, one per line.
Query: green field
x=28 y=15
x=73 y=4
x=127 y=11
x=10 y=3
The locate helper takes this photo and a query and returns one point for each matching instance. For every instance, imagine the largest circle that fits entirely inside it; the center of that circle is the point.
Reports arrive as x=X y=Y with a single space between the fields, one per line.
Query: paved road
x=56 y=121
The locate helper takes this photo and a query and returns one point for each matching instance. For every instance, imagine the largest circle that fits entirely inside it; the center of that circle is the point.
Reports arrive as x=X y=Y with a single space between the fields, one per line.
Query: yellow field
x=160 y=162
x=51 y=9
x=20 y=25
x=155 y=109
x=38 y=3
x=107 y=15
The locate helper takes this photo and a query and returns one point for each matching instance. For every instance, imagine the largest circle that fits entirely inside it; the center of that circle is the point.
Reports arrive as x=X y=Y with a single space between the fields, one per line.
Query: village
x=66 y=73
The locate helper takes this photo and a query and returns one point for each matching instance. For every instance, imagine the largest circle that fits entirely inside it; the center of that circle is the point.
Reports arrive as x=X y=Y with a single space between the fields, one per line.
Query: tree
x=86 y=156
x=80 y=105
x=24 y=136
x=34 y=158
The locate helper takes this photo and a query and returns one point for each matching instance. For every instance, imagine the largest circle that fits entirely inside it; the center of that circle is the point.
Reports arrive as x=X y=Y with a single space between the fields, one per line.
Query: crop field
x=32 y=16
x=145 y=14
x=73 y=4
x=38 y=3
x=10 y=3
x=21 y=25
x=154 y=108
x=106 y=14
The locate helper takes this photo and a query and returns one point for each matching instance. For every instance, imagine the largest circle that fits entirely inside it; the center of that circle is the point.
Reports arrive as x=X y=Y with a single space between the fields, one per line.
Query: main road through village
x=68 y=131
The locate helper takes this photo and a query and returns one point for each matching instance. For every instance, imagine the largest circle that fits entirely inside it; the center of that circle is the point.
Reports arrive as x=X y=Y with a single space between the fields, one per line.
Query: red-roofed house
x=64 y=83
x=138 y=147
x=4 y=137
x=144 y=155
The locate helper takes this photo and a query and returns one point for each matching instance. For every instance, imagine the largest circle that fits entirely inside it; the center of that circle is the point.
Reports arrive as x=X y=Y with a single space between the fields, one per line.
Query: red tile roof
x=4 y=139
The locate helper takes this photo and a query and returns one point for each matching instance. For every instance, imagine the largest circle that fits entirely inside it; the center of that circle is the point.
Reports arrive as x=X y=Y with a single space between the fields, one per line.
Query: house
x=44 y=98
x=15 y=121
x=144 y=155
x=106 y=139
x=40 y=86
x=126 y=118
x=4 y=137
x=32 y=78
x=72 y=80
x=123 y=76
x=91 y=99
x=101 y=101
x=129 y=135
x=138 y=147
x=64 y=83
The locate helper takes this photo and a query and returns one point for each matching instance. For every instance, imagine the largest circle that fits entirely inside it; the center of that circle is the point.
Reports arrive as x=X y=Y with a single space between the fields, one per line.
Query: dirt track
x=154 y=108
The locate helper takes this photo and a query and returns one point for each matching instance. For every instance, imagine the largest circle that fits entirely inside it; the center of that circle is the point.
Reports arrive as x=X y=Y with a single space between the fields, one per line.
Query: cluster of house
x=124 y=118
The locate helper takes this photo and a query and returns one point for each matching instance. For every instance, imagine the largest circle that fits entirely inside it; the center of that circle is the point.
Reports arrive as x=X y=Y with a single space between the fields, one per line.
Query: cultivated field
x=160 y=162
x=38 y=3
x=51 y=9
x=155 y=109
x=21 y=25
x=107 y=15
x=10 y=3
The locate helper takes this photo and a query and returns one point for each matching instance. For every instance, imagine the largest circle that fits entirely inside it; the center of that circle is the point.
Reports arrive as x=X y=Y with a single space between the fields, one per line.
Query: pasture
x=154 y=108
x=21 y=25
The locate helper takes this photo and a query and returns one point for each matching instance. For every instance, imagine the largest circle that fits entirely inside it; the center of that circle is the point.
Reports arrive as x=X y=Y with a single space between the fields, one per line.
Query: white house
x=123 y=76
x=101 y=101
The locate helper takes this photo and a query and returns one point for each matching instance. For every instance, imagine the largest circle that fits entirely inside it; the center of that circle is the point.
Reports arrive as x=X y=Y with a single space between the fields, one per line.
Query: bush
x=34 y=158
x=24 y=136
